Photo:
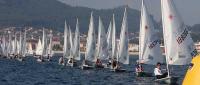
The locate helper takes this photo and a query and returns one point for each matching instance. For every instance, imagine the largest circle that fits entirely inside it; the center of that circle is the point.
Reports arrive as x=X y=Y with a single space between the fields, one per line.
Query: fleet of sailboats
x=179 y=47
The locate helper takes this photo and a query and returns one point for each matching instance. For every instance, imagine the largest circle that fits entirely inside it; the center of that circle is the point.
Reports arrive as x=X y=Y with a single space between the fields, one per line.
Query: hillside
x=52 y=13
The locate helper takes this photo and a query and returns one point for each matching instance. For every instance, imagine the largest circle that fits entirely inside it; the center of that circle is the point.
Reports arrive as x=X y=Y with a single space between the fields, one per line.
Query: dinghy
x=149 y=42
x=123 y=53
x=102 y=52
x=39 y=51
x=179 y=47
x=65 y=47
x=71 y=61
x=90 y=46
x=75 y=46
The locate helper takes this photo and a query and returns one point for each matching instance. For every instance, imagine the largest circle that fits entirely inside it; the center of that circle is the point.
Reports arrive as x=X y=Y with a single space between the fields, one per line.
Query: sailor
x=158 y=73
x=70 y=61
x=139 y=68
x=98 y=63
x=61 y=61
x=114 y=63
x=109 y=62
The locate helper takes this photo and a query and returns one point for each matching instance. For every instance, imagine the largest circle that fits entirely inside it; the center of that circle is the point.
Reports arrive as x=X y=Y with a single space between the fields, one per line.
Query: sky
x=188 y=9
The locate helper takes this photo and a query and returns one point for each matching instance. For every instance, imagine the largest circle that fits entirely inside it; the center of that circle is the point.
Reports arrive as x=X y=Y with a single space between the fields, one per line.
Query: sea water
x=30 y=72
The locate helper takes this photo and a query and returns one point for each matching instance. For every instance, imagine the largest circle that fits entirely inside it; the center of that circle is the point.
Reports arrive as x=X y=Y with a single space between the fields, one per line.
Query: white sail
x=50 y=44
x=114 y=45
x=123 y=44
x=24 y=48
x=149 y=43
x=71 y=43
x=3 y=46
x=39 y=48
x=109 y=40
x=9 y=46
x=20 y=44
x=101 y=42
x=77 y=43
x=179 y=48
x=65 y=48
x=44 y=43
x=30 y=49
x=91 y=41
x=18 y=47
x=15 y=47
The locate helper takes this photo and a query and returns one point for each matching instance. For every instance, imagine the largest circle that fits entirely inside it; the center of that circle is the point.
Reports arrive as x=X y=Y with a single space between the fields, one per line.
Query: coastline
x=82 y=52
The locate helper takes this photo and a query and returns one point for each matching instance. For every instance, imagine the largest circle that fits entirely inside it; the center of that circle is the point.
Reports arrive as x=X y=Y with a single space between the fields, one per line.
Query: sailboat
x=39 y=50
x=44 y=47
x=76 y=50
x=179 y=47
x=149 y=43
x=20 y=47
x=65 y=47
x=71 y=61
x=90 y=45
x=102 y=53
x=123 y=54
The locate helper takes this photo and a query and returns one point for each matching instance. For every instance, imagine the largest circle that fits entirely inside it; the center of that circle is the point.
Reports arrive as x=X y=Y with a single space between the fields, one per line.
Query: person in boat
x=109 y=62
x=98 y=63
x=158 y=73
x=61 y=61
x=70 y=61
x=114 y=63
x=140 y=70
x=48 y=57
x=40 y=59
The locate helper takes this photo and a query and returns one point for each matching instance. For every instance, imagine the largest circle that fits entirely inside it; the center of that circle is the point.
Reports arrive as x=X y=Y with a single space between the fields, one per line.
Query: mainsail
x=39 y=48
x=50 y=44
x=44 y=43
x=76 y=51
x=24 y=48
x=123 y=43
x=101 y=42
x=149 y=43
x=109 y=40
x=91 y=42
x=71 y=42
x=179 y=47
x=65 y=48
x=114 y=45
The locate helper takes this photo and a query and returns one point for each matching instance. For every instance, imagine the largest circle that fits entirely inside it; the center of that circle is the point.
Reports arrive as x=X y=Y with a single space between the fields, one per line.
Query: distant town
x=33 y=34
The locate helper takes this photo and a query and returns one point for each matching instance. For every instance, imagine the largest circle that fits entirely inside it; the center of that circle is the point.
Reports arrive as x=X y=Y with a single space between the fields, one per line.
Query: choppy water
x=30 y=72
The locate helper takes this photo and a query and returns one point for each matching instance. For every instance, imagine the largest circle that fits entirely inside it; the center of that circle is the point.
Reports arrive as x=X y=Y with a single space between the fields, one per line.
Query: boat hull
x=167 y=80
x=86 y=67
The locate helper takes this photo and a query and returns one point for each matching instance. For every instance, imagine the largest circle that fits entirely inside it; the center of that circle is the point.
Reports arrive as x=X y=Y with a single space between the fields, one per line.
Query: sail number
x=153 y=44
x=194 y=53
x=182 y=37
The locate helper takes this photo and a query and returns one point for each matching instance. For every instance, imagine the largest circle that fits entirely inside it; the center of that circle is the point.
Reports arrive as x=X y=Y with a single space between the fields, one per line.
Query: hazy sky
x=189 y=9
